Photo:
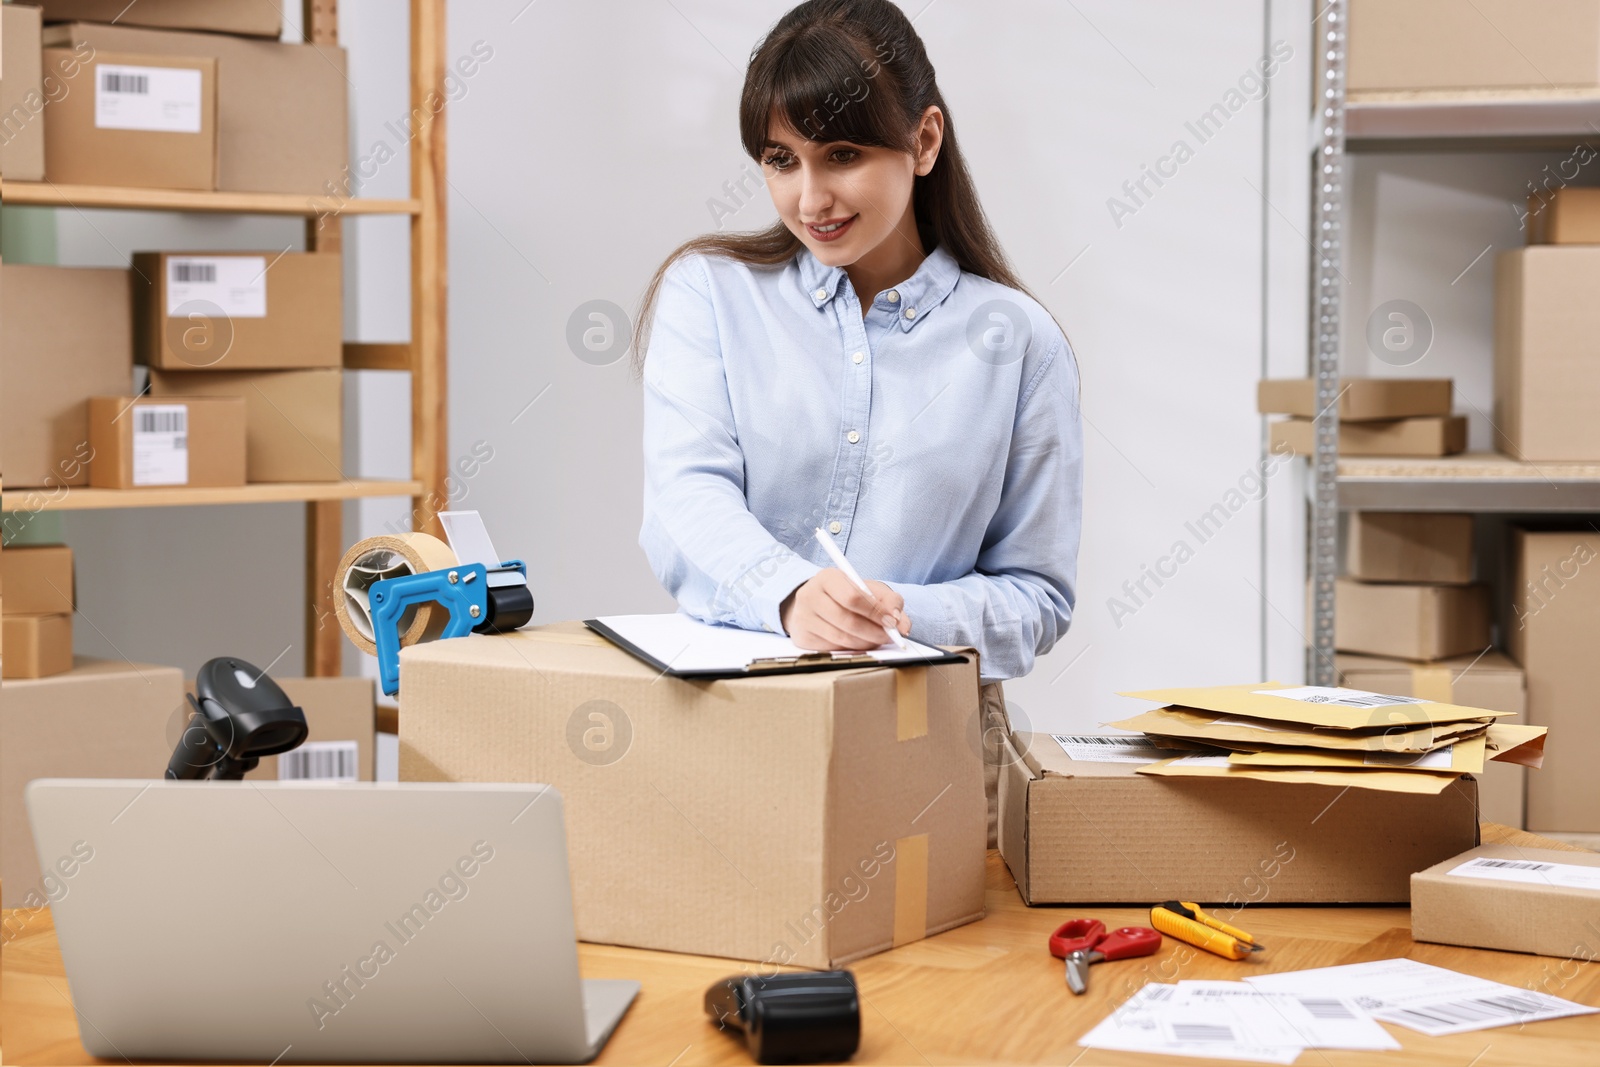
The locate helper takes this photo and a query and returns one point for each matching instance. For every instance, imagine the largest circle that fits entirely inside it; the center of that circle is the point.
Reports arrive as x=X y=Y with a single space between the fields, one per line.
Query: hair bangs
x=827 y=90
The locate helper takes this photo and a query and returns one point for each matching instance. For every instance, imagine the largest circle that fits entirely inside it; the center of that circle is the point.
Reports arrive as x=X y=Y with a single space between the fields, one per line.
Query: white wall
x=591 y=143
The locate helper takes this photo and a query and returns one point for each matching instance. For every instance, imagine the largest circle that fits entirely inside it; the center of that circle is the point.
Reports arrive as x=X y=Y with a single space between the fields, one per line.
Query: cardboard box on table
x=128 y=118
x=294 y=419
x=226 y=311
x=1546 y=376
x=1420 y=622
x=22 y=99
x=1521 y=900
x=1081 y=832
x=150 y=441
x=112 y=719
x=809 y=818
x=67 y=337
x=252 y=18
x=1400 y=546
x=1473 y=44
x=1555 y=616
x=1490 y=680
x=282 y=109
x=37 y=579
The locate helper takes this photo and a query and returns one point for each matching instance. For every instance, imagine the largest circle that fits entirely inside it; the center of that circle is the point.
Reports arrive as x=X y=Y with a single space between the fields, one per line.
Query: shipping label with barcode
x=164 y=99
x=160 y=444
x=236 y=285
x=1111 y=748
x=323 y=761
x=1532 y=872
x=1338 y=697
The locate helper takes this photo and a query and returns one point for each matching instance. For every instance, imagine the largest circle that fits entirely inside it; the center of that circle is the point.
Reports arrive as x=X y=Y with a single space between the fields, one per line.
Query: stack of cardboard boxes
x=1377 y=416
x=36 y=596
x=244 y=348
x=1411 y=621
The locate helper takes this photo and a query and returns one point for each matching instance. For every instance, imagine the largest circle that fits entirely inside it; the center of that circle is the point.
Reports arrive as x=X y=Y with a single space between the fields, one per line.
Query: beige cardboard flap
x=1257 y=702
x=1514 y=743
x=910 y=889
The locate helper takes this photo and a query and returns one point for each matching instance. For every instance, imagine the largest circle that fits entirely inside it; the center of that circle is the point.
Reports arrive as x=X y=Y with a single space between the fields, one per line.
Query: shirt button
x=834 y=527
x=892 y=296
x=857 y=358
x=853 y=436
x=821 y=294
x=911 y=313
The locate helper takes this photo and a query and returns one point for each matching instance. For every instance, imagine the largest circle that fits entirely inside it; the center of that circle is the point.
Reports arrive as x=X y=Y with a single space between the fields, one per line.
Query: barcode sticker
x=1531 y=872
x=160 y=444
x=1339 y=697
x=1111 y=748
x=234 y=285
x=322 y=761
x=164 y=99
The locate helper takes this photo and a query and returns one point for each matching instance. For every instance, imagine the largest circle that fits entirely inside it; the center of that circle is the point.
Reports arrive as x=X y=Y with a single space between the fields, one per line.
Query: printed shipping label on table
x=166 y=99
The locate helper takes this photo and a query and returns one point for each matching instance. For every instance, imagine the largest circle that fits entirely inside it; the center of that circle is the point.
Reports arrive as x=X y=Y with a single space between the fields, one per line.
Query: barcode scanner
x=240 y=715
x=803 y=1017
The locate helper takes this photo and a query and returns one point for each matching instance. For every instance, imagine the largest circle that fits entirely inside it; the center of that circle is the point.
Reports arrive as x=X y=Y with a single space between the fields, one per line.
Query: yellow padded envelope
x=1323 y=706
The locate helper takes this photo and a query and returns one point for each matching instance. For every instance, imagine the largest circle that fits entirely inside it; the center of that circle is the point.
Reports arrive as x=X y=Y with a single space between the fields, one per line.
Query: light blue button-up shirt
x=938 y=439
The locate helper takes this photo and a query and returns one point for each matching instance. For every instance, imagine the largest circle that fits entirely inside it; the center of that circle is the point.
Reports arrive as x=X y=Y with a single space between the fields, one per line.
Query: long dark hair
x=856 y=71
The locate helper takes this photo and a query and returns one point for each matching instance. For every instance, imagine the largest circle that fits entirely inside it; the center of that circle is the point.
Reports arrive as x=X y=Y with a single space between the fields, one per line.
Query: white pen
x=831 y=547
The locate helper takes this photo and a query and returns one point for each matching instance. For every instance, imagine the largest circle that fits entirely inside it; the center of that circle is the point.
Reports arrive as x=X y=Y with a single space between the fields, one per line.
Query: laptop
x=347 y=922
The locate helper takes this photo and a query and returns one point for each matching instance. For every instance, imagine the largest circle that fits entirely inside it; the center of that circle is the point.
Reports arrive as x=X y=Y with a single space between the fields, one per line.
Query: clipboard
x=659 y=641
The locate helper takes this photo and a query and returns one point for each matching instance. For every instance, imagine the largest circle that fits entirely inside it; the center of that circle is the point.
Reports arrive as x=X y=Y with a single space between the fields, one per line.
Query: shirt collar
x=913 y=298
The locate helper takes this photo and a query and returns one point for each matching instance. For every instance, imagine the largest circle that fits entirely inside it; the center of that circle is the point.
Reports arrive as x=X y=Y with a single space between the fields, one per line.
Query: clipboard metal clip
x=783 y=663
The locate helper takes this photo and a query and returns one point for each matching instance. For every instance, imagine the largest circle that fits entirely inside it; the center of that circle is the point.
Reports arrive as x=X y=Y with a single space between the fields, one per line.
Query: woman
x=869 y=365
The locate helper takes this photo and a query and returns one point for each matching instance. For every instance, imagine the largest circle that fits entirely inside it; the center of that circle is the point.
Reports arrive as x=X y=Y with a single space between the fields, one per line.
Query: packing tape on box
x=911 y=702
x=910 y=889
x=388 y=556
x=1432 y=683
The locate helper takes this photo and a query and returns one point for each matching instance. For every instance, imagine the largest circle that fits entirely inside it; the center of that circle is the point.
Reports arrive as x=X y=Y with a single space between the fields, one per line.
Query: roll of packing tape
x=378 y=558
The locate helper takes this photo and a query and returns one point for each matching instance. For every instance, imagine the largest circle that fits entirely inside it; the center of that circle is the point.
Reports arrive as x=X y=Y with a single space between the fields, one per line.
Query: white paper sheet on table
x=1431 y=1000
x=684 y=643
x=1159 y=1019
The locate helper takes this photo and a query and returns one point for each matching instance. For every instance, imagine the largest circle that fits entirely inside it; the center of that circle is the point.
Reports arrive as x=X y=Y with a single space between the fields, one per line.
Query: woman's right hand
x=828 y=613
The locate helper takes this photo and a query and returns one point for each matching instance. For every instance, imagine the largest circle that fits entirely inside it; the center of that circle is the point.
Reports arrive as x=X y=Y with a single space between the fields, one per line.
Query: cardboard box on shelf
x=799 y=818
x=133 y=119
x=36 y=580
x=1545 y=375
x=1401 y=546
x=250 y=18
x=1490 y=680
x=293 y=418
x=35 y=646
x=1565 y=216
x=67 y=337
x=197 y=441
x=1430 y=436
x=224 y=311
x=1418 y=622
x=1360 y=399
x=282 y=109
x=1511 y=898
x=101 y=719
x=1444 y=44
x=1213 y=841
x=339 y=712
x=22 y=99
x=1555 y=613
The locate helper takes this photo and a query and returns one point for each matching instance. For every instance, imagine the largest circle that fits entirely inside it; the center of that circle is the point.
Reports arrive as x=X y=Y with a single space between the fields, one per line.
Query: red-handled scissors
x=1084 y=941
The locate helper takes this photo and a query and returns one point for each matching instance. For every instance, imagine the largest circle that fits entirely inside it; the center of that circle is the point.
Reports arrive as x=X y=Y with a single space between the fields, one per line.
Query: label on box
x=1533 y=872
x=1339 y=697
x=161 y=444
x=322 y=761
x=164 y=99
x=235 y=285
x=1111 y=748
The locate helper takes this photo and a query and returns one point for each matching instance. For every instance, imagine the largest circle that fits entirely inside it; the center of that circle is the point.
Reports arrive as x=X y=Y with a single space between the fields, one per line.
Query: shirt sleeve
x=1018 y=600
x=702 y=542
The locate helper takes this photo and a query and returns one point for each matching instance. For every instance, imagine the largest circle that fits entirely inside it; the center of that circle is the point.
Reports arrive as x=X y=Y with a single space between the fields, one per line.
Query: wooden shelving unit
x=1476 y=481
x=423 y=356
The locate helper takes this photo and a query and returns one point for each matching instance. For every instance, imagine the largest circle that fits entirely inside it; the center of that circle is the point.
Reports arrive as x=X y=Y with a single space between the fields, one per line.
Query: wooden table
x=988 y=992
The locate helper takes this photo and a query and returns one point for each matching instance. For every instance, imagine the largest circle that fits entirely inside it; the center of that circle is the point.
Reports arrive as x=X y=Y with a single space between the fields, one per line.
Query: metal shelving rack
x=423 y=356
x=1435 y=121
